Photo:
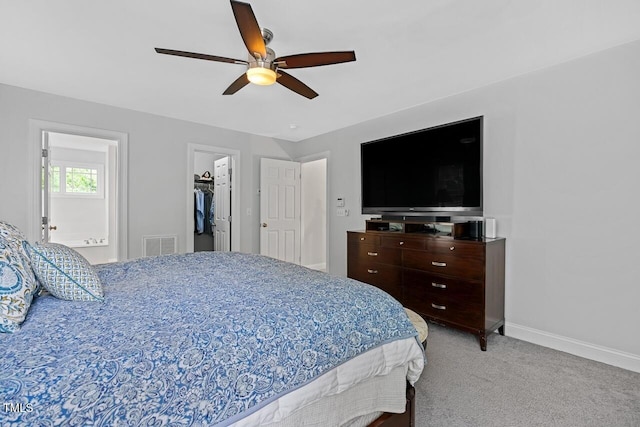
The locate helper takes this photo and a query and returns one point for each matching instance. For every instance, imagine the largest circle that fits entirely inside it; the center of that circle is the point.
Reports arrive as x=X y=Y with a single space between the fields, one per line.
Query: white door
x=222 y=205
x=280 y=209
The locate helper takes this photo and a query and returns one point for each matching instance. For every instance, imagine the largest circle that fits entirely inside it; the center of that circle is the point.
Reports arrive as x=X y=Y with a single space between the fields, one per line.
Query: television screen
x=436 y=170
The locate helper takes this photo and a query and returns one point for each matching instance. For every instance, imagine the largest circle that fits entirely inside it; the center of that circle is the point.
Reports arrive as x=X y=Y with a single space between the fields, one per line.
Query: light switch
x=340 y=203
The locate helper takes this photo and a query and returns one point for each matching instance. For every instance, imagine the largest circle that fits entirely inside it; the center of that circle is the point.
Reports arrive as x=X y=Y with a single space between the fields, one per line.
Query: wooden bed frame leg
x=411 y=404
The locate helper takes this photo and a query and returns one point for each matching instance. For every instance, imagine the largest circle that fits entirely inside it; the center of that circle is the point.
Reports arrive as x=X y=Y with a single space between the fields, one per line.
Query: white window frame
x=64 y=164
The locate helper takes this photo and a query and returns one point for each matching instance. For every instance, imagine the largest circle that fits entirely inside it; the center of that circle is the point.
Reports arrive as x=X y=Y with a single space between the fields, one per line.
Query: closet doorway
x=212 y=199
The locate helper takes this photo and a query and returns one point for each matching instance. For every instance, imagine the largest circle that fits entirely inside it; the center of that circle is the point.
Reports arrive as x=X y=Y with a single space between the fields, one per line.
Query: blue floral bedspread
x=182 y=340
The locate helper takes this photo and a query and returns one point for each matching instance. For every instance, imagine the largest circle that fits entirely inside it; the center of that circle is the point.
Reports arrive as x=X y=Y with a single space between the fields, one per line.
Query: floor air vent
x=158 y=245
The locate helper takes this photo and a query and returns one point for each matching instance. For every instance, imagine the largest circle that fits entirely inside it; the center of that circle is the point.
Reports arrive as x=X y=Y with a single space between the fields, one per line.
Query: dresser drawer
x=367 y=238
x=386 y=277
x=449 y=264
x=426 y=284
x=445 y=299
x=402 y=242
x=470 y=316
x=371 y=253
x=455 y=247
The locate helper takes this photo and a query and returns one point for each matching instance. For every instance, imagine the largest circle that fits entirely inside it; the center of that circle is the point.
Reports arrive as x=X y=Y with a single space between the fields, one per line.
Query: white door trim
x=234 y=155
x=34 y=207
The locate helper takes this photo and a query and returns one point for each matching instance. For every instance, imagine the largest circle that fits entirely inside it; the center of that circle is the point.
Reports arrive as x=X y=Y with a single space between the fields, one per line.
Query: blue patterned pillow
x=65 y=273
x=18 y=285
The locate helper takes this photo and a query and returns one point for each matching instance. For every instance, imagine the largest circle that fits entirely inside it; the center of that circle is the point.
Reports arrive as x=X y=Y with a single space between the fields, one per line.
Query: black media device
x=474 y=230
x=430 y=172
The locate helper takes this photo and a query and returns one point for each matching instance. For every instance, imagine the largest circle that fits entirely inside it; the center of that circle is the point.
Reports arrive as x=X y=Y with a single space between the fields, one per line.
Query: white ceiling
x=408 y=53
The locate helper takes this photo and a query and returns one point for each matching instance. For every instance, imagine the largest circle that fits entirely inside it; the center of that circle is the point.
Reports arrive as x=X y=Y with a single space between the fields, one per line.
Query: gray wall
x=561 y=175
x=157 y=161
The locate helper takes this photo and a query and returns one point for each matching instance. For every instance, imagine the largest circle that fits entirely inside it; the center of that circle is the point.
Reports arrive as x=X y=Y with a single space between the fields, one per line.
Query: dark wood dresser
x=452 y=281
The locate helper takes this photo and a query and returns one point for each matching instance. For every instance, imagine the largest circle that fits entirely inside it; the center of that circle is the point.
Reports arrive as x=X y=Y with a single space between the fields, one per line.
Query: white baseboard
x=587 y=350
x=321 y=266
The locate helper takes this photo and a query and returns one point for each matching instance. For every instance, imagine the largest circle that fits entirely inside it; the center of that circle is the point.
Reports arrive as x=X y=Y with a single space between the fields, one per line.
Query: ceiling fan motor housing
x=262 y=71
x=258 y=62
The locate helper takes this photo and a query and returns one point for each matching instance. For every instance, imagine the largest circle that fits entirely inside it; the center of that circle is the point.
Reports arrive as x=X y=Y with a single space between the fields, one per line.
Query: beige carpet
x=515 y=383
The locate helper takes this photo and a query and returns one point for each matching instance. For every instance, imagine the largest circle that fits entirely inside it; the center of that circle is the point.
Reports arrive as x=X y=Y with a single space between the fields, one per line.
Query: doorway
x=80 y=189
x=79 y=203
x=212 y=202
x=213 y=220
x=313 y=231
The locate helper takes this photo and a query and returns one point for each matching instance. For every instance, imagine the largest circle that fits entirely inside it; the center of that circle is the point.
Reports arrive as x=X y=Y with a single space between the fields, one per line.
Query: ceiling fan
x=263 y=68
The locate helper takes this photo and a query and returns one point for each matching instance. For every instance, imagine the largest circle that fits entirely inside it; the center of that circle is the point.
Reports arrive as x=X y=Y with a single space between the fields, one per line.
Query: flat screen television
x=430 y=172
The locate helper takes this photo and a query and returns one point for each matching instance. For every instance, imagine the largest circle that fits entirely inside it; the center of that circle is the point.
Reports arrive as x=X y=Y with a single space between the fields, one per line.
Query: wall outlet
x=341 y=212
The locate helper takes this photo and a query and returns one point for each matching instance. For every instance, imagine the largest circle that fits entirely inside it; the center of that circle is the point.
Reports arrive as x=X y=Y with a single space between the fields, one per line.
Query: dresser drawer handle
x=439 y=285
x=401 y=243
x=438 y=307
x=362 y=238
x=438 y=264
x=451 y=248
x=370 y=271
x=372 y=253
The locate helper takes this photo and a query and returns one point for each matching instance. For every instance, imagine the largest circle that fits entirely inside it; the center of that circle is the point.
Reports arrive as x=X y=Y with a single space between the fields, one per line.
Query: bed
x=211 y=339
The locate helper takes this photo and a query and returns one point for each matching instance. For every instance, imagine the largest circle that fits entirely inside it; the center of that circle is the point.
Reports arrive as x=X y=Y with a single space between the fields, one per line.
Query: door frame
x=34 y=199
x=234 y=156
x=311 y=158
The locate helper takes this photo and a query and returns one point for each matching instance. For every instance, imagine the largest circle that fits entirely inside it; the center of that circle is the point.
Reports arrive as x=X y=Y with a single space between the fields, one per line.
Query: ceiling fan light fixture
x=261 y=76
x=264 y=67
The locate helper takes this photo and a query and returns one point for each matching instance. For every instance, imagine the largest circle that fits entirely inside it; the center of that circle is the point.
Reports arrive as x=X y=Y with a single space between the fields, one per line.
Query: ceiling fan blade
x=200 y=56
x=249 y=28
x=290 y=82
x=315 y=59
x=238 y=84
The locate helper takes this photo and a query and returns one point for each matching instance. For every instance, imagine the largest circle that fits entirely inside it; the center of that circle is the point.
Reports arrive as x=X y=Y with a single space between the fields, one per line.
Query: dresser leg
x=483 y=341
x=501 y=330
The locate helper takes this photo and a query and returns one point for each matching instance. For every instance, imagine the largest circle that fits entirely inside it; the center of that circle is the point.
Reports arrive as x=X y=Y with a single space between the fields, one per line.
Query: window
x=77 y=180
x=81 y=180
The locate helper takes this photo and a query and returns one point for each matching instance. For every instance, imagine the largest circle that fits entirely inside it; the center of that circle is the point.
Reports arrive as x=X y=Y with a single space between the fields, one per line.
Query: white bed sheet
x=366 y=375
